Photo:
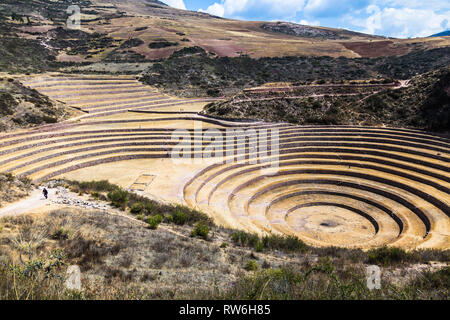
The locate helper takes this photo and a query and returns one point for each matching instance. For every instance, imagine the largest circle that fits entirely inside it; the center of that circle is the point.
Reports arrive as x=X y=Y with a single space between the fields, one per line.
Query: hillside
x=157 y=31
x=442 y=34
x=22 y=107
x=194 y=72
x=124 y=256
x=423 y=104
x=304 y=31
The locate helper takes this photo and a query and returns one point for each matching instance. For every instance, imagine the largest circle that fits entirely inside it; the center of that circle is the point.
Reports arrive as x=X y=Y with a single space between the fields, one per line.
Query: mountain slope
x=22 y=107
x=112 y=24
x=423 y=104
x=194 y=72
x=442 y=34
x=305 y=31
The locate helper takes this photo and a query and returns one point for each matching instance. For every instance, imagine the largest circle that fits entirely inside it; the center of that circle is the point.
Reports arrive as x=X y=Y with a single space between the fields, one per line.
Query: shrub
x=154 y=221
x=9 y=177
x=141 y=205
x=137 y=208
x=273 y=242
x=168 y=218
x=434 y=280
x=201 y=230
x=162 y=44
x=286 y=243
x=26 y=181
x=259 y=247
x=179 y=217
x=95 y=194
x=224 y=245
x=149 y=207
x=130 y=43
x=251 y=265
x=387 y=256
x=245 y=239
x=60 y=234
x=118 y=198
x=213 y=92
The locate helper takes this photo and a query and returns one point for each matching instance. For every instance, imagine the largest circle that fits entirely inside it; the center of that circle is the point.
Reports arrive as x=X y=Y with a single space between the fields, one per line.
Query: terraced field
x=103 y=96
x=345 y=186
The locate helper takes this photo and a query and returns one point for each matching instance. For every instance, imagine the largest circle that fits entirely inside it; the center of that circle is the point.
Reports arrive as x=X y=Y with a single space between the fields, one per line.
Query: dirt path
x=35 y=200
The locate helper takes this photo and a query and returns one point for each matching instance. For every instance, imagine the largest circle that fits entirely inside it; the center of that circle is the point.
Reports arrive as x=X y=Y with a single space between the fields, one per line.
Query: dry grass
x=122 y=259
x=13 y=188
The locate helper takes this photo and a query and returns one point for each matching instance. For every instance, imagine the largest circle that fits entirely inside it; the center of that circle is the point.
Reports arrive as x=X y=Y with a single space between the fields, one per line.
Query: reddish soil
x=375 y=49
x=62 y=57
x=40 y=29
x=155 y=54
x=223 y=48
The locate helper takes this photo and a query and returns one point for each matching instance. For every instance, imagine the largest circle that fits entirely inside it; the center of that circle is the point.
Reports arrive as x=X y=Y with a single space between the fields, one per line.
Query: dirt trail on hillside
x=35 y=200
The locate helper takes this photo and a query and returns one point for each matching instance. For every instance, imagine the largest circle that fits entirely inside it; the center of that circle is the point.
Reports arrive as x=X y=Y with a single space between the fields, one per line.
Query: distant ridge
x=441 y=34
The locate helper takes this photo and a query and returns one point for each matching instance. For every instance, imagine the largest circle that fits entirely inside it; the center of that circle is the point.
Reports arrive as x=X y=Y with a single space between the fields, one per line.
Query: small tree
x=179 y=217
x=118 y=198
x=153 y=222
x=201 y=230
x=251 y=265
x=137 y=208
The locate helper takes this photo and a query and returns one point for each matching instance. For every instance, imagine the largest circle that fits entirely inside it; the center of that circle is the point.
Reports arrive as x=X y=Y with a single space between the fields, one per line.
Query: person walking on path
x=45 y=192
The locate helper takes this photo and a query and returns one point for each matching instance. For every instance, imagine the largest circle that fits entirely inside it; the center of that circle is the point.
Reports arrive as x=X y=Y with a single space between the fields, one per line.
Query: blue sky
x=394 y=18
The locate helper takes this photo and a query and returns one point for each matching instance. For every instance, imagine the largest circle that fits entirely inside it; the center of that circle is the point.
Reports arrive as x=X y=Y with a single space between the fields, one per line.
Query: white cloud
x=179 y=4
x=404 y=22
x=215 y=9
x=396 y=18
x=318 y=5
x=309 y=23
x=278 y=9
x=434 y=5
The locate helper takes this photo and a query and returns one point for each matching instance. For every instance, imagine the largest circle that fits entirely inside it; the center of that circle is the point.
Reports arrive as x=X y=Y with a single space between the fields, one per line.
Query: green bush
x=201 y=230
x=259 y=247
x=162 y=44
x=245 y=239
x=149 y=207
x=273 y=242
x=140 y=205
x=118 y=198
x=154 y=221
x=9 y=177
x=60 y=234
x=286 y=243
x=137 y=208
x=387 y=256
x=168 y=218
x=179 y=217
x=251 y=265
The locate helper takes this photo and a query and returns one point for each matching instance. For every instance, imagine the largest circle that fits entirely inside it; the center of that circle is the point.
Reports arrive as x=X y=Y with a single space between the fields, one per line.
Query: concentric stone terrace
x=344 y=186
x=338 y=186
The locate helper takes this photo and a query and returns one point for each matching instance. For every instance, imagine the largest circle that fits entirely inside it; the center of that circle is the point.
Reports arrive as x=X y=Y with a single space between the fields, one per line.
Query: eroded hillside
x=22 y=107
x=423 y=103
x=105 y=28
